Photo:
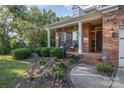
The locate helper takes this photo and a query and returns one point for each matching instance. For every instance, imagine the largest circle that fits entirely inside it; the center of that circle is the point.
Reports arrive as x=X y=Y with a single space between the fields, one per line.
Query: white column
x=48 y=38
x=80 y=38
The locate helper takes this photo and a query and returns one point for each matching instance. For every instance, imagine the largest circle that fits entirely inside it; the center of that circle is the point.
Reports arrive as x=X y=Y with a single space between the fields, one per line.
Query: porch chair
x=102 y=58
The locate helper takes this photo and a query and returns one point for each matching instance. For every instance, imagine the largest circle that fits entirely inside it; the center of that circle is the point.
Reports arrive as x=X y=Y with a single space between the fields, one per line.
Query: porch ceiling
x=95 y=22
x=83 y=18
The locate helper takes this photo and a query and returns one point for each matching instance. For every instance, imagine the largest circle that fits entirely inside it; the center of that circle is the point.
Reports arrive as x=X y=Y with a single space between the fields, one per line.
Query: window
x=63 y=39
x=69 y=39
x=75 y=39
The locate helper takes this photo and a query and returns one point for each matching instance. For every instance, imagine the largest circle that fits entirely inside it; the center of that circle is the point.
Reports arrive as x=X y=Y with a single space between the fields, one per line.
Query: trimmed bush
x=104 y=67
x=61 y=65
x=57 y=52
x=45 y=52
x=41 y=62
x=108 y=68
x=21 y=53
x=100 y=67
x=30 y=49
x=59 y=74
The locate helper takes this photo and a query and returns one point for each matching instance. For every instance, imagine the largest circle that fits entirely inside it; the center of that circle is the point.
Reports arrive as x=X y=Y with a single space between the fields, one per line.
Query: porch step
x=90 y=58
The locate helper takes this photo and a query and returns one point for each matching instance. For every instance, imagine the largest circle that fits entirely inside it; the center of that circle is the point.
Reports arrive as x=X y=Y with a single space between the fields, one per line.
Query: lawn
x=11 y=71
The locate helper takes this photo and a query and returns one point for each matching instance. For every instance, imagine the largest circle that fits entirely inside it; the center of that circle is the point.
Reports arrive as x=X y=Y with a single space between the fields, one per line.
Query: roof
x=75 y=20
x=75 y=6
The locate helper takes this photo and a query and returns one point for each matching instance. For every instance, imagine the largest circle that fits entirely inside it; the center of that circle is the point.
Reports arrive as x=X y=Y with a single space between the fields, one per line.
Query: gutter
x=108 y=9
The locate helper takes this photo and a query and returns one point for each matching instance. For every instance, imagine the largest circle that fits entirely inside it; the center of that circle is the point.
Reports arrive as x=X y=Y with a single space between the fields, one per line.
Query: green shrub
x=32 y=51
x=58 y=74
x=41 y=62
x=100 y=67
x=45 y=52
x=108 y=68
x=57 y=52
x=38 y=51
x=70 y=61
x=61 y=65
x=104 y=67
x=21 y=53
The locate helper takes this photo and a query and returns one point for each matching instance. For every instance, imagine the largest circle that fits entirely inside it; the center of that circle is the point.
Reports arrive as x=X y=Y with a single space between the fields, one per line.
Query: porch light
x=113 y=33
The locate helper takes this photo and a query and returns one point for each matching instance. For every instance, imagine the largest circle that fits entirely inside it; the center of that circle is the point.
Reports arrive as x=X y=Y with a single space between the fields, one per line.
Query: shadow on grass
x=11 y=71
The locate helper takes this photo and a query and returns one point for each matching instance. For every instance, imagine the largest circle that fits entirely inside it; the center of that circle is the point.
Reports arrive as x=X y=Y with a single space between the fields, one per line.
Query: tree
x=41 y=18
x=4 y=31
x=18 y=25
x=64 y=17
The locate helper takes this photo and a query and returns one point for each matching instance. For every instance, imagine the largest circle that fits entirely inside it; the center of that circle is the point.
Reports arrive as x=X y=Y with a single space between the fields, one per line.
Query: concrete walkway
x=118 y=81
x=85 y=76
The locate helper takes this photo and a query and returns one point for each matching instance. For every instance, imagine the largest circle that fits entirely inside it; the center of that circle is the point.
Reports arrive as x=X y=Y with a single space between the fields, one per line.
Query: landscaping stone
x=45 y=74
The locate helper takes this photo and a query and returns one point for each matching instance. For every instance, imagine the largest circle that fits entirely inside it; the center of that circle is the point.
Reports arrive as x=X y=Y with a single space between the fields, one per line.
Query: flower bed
x=48 y=72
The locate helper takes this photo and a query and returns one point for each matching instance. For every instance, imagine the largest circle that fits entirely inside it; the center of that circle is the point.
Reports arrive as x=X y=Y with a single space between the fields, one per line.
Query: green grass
x=11 y=71
x=6 y=57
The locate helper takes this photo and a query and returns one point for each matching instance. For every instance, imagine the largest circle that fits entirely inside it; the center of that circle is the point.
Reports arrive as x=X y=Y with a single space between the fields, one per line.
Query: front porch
x=89 y=42
x=82 y=38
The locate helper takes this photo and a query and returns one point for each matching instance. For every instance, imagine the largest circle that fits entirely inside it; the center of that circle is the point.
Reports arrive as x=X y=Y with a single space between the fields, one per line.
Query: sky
x=60 y=10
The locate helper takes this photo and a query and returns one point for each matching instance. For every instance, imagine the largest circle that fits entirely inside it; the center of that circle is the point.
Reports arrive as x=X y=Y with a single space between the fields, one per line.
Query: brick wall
x=111 y=23
x=89 y=57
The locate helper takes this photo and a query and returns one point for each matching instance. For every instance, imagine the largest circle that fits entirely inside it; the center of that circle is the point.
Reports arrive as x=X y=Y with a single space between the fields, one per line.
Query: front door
x=98 y=41
x=121 y=47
